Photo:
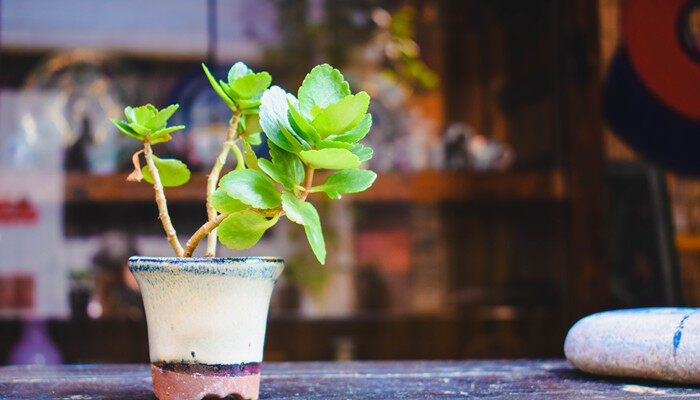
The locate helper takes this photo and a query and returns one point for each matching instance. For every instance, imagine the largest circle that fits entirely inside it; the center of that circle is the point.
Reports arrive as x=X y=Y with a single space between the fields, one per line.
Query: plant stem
x=161 y=202
x=210 y=226
x=308 y=182
x=213 y=180
x=204 y=230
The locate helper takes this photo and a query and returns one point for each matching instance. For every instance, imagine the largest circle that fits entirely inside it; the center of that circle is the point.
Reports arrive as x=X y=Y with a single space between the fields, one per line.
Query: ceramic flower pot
x=206 y=323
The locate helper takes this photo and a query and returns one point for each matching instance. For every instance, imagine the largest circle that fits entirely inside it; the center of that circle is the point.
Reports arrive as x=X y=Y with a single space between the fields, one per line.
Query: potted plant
x=206 y=316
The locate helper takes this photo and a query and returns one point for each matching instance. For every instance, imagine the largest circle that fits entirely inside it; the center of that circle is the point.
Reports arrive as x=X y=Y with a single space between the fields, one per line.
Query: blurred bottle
x=344 y=347
x=112 y=296
x=35 y=346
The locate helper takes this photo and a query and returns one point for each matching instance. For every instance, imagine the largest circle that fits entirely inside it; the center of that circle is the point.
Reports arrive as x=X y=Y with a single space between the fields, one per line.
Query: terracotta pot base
x=191 y=381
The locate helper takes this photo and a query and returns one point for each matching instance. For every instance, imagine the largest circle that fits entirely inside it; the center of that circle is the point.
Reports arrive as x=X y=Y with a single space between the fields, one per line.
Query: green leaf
x=253 y=123
x=238 y=70
x=160 y=139
x=141 y=130
x=302 y=126
x=226 y=204
x=339 y=117
x=314 y=235
x=158 y=122
x=249 y=157
x=323 y=86
x=330 y=144
x=249 y=104
x=249 y=85
x=305 y=214
x=253 y=138
x=273 y=114
x=250 y=124
x=330 y=158
x=315 y=110
x=126 y=128
x=243 y=229
x=218 y=89
x=297 y=210
x=285 y=168
x=172 y=172
x=154 y=137
x=294 y=139
x=347 y=181
x=251 y=187
x=129 y=112
x=358 y=132
x=227 y=89
x=288 y=127
x=363 y=153
x=144 y=114
x=276 y=173
x=288 y=163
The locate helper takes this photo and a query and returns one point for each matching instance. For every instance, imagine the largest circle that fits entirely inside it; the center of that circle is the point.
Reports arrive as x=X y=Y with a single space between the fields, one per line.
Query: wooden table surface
x=492 y=379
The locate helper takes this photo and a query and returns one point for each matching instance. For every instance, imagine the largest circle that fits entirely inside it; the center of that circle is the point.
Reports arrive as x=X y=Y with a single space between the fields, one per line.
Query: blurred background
x=526 y=177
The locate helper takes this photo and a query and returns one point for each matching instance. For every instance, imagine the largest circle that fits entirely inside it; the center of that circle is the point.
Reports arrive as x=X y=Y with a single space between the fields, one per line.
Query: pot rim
x=217 y=260
x=243 y=267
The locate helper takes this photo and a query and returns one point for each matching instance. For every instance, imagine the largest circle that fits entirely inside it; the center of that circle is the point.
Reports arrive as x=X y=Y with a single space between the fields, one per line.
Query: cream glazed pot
x=206 y=323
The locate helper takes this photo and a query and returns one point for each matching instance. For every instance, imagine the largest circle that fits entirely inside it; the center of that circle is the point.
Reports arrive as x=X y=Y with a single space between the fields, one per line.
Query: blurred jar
x=113 y=296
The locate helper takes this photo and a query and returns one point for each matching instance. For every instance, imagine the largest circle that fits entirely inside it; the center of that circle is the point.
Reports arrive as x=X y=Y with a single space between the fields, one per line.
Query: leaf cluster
x=318 y=129
x=147 y=123
x=243 y=88
x=242 y=91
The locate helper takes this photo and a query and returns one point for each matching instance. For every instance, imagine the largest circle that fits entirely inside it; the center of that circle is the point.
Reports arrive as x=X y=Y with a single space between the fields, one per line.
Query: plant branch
x=308 y=182
x=160 y=201
x=213 y=180
x=208 y=228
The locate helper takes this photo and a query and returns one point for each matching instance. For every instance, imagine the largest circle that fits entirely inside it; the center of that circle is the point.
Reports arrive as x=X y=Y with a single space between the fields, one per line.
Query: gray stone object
x=652 y=343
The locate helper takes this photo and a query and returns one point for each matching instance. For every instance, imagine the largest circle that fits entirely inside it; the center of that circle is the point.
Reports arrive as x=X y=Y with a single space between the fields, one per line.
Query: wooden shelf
x=115 y=188
x=439 y=186
x=422 y=187
x=687 y=242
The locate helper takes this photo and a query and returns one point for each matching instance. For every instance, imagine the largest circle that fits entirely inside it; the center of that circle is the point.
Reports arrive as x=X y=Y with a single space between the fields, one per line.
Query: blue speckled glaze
x=243 y=267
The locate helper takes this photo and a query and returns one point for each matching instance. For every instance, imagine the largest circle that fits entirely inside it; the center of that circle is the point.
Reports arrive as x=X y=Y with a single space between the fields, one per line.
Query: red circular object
x=651 y=33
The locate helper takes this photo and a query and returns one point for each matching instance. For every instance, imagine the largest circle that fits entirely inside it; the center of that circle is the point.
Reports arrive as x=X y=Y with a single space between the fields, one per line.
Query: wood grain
x=424 y=187
x=493 y=379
